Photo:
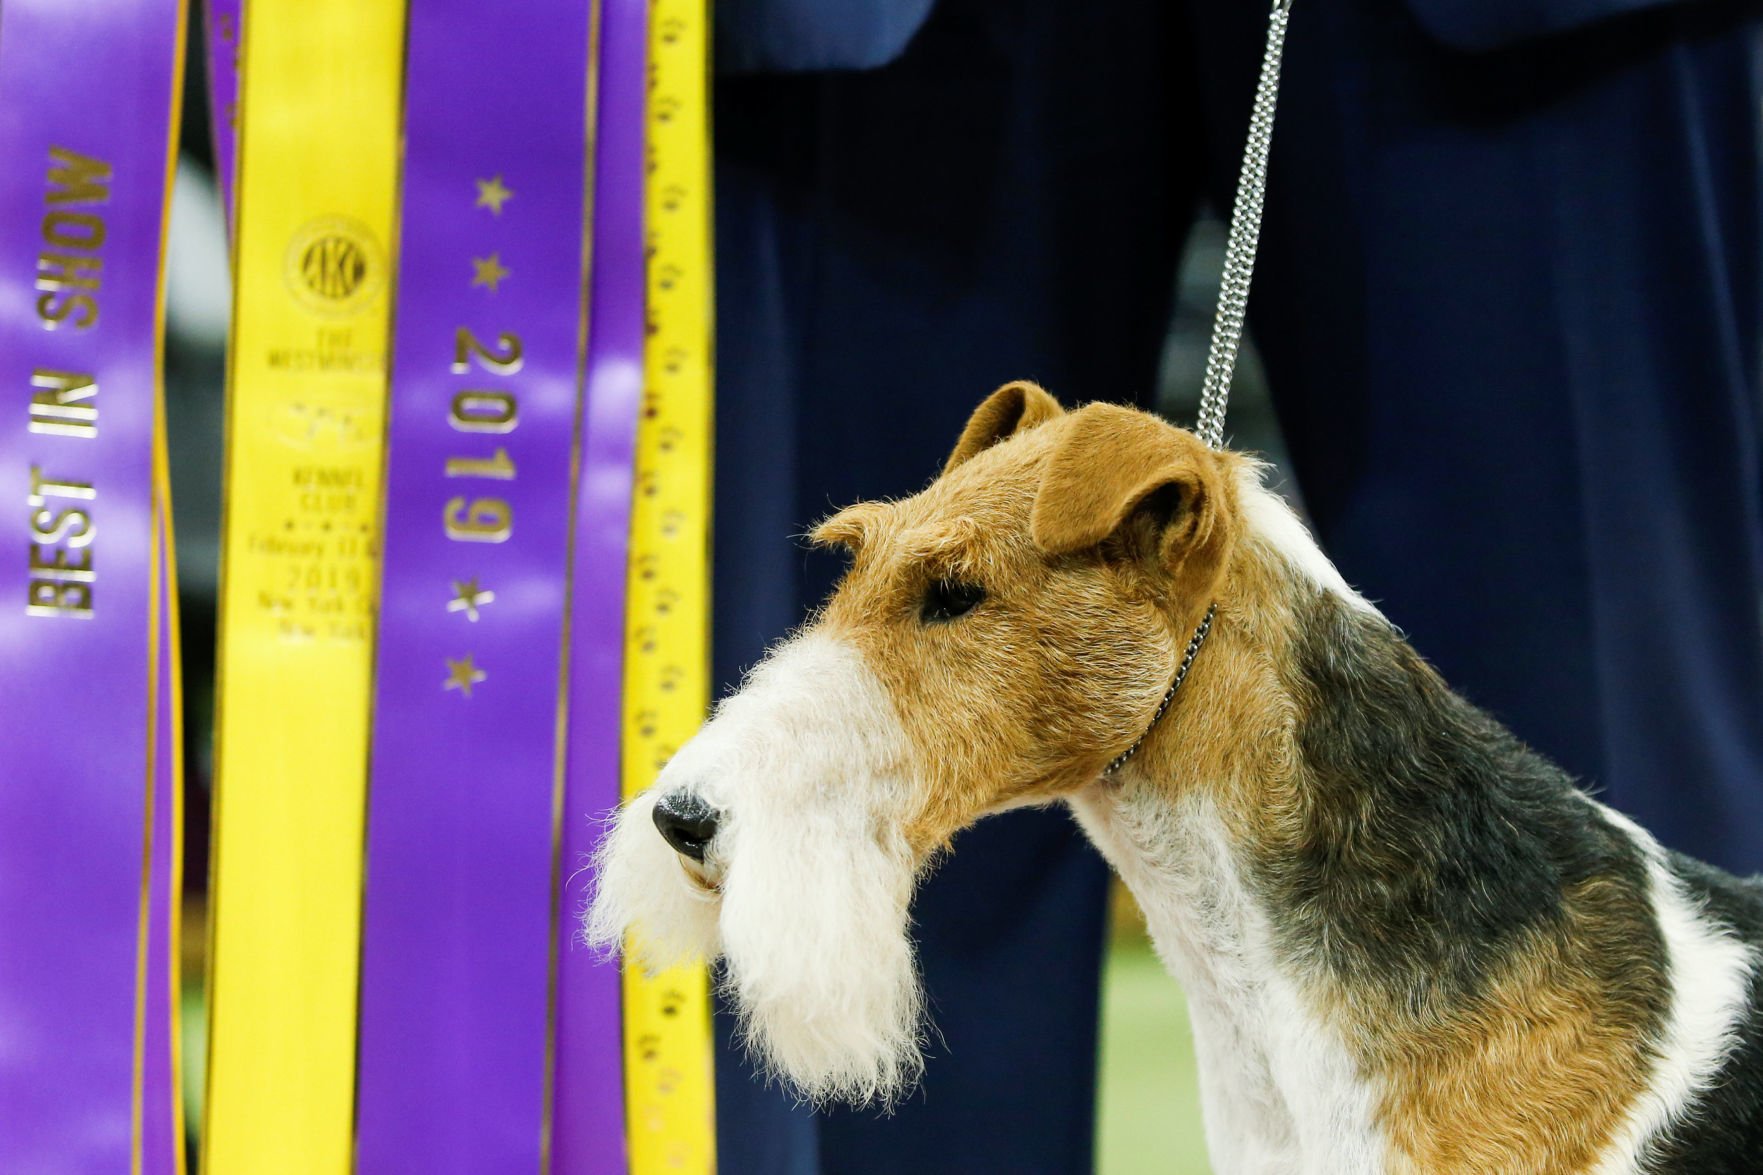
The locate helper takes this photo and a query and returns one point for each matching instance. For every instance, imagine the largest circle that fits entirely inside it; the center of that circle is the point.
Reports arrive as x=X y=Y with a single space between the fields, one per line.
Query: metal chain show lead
x=1233 y=303
x=1245 y=234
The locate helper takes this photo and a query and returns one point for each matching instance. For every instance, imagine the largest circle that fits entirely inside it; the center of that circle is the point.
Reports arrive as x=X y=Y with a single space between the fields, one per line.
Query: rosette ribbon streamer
x=88 y=777
x=312 y=239
x=461 y=903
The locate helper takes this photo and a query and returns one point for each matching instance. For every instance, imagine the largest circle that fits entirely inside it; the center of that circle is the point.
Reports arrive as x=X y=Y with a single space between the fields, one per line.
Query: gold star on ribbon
x=468 y=598
x=492 y=194
x=488 y=271
x=462 y=675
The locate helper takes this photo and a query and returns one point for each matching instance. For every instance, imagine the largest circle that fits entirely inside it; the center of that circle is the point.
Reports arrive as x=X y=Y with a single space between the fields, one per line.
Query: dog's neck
x=1184 y=824
x=1372 y=891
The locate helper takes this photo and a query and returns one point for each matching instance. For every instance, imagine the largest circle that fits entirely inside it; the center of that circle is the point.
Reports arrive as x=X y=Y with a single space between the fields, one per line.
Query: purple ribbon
x=461 y=868
x=588 y=1126
x=82 y=199
x=221 y=32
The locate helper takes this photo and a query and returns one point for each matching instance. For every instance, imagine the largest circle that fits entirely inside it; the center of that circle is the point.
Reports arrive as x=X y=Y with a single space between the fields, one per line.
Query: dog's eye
x=947 y=599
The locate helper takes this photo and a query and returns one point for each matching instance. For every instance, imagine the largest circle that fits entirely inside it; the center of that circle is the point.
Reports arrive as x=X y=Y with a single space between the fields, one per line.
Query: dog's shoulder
x=1722 y=1131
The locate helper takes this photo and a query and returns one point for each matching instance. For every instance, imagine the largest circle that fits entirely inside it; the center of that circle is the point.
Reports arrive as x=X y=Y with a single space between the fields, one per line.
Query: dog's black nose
x=686 y=822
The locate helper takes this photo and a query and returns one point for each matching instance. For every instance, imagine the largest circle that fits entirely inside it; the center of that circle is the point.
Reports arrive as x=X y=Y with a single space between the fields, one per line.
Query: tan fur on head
x=1097 y=536
x=1015 y=407
x=1086 y=546
x=851 y=527
x=1114 y=463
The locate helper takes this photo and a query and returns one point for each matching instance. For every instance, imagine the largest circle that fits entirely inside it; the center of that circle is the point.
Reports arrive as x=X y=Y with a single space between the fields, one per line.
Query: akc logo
x=334 y=266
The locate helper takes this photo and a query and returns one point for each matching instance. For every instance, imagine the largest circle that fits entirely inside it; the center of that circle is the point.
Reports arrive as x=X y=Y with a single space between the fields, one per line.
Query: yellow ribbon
x=668 y=1073
x=318 y=151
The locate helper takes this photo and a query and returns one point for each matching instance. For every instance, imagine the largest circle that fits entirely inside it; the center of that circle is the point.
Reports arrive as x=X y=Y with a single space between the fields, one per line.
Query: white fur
x=1710 y=975
x=643 y=895
x=805 y=891
x=1279 y=1092
x=1271 y=520
x=806 y=765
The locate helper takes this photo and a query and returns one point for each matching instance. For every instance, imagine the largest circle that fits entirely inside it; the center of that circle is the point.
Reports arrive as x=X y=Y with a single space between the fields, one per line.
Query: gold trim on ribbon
x=162 y=570
x=175 y=884
x=560 y=742
x=144 y=915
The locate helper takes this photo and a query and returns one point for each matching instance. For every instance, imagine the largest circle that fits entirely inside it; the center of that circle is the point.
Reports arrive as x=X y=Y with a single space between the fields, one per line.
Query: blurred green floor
x=1150 y=1114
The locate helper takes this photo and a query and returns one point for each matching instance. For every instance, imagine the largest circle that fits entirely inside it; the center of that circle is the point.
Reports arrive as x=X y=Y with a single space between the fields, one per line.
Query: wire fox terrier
x=1409 y=943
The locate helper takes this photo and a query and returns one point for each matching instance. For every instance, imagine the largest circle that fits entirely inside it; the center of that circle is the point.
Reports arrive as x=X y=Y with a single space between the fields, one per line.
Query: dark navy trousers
x=1509 y=306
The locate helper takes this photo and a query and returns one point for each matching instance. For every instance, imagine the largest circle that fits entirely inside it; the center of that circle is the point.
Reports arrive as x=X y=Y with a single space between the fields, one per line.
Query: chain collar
x=1181 y=674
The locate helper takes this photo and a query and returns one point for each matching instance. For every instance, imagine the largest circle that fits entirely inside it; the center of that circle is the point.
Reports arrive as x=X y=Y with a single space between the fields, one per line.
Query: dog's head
x=998 y=639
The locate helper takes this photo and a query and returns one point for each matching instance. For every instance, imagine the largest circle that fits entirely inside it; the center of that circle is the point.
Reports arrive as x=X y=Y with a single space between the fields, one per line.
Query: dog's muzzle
x=686 y=822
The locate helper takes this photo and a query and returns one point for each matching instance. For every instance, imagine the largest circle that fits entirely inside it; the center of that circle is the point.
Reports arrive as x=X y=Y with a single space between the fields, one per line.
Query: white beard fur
x=815 y=880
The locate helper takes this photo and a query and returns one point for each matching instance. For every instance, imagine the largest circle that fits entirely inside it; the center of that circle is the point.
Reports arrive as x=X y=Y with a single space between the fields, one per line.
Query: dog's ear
x=1013 y=408
x=850 y=527
x=1124 y=477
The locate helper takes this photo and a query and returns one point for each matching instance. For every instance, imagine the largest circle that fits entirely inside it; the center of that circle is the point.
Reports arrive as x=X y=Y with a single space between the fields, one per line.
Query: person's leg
x=892 y=247
x=1509 y=306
